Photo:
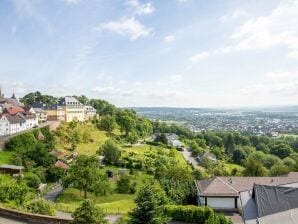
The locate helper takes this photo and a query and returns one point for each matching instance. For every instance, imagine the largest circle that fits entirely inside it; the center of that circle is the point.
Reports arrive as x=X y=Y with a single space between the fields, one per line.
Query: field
x=112 y=203
x=5 y=157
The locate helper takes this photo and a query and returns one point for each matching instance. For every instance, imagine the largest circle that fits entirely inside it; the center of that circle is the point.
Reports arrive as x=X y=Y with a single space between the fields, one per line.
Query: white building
x=90 y=112
x=222 y=193
x=74 y=110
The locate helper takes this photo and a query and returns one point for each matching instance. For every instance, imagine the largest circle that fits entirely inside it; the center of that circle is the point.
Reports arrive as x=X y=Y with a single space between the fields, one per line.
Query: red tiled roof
x=61 y=164
x=14 y=110
x=231 y=186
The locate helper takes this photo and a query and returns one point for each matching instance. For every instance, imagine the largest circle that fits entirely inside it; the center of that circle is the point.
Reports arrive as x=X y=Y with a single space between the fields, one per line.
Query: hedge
x=195 y=214
x=190 y=213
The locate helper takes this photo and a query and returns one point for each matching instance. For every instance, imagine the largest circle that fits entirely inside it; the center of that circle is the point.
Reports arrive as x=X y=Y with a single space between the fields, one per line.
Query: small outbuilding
x=11 y=169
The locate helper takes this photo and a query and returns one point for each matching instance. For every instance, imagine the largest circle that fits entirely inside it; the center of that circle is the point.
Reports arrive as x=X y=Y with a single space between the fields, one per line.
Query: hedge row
x=195 y=214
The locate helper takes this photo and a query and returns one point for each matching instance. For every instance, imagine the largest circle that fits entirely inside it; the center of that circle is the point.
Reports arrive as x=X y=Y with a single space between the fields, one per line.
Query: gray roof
x=14 y=119
x=270 y=204
x=69 y=101
x=231 y=186
x=13 y=167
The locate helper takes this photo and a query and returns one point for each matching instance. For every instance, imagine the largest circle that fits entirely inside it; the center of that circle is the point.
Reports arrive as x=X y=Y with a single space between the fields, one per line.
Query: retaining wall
x=32 y=218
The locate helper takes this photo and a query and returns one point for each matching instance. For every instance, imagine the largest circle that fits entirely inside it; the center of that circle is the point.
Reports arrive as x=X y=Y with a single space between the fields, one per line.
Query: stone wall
x=32 y=218
x=2 y=144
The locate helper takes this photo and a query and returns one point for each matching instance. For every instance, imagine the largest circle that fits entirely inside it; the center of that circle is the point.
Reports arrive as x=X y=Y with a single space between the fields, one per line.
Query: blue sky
x=186 y=53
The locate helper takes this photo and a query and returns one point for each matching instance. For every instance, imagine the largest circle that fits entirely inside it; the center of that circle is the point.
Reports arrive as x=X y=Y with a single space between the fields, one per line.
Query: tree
x=132 y=137
x=124 y=185
x=254 y=168
x=150 y=203
x=239 y=156
x=126 y=121
x=161 y=138
x=88 y=213
x=110 y=151
x=107 y=123
x=83 y=173
x=83 y=99
x=230 y=144
x=144 y=127
x=282 y=150
x=279 y=169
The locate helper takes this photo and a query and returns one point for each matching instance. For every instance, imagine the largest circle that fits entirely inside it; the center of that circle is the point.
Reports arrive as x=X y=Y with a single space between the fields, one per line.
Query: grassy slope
x=90 y=148
x=5 y=157
x=113 y=203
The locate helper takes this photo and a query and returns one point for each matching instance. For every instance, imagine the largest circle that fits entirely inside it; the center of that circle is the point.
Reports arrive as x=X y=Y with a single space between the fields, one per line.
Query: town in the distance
x=61 y=157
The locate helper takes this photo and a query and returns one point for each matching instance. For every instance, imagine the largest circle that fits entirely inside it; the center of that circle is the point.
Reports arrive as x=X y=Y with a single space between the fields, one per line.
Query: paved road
x=52 y=194
x=187 y=156
x=4 y=220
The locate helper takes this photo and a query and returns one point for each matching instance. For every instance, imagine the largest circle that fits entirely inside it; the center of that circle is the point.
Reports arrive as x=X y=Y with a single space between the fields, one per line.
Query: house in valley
x=222 y=193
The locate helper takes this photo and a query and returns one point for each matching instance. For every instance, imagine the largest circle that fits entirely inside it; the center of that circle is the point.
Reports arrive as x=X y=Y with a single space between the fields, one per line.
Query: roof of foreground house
x=231 y=186
x=270 y=204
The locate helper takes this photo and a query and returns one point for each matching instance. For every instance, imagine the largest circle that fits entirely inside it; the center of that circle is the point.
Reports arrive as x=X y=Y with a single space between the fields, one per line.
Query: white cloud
x=141 y=9
x=199 y=56
x=127 y=27
x=176 y=78
x=279 y=28
x=275 y=84
x=236 y=14
x=169 y=39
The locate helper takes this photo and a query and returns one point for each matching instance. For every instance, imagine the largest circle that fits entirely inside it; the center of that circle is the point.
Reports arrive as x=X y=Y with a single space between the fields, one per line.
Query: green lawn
x=6 y=157
x=114 y=203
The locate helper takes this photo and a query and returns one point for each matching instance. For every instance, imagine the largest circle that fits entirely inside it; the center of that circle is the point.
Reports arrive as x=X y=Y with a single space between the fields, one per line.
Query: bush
x=32 y=180
x=124 y=185
x=190 y=213
x=41 y=206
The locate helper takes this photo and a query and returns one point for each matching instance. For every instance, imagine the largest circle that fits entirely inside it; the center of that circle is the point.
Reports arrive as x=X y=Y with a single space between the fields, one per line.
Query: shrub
x=41 y=206
x=32 y=180
x=190 y=213
x=124 y=185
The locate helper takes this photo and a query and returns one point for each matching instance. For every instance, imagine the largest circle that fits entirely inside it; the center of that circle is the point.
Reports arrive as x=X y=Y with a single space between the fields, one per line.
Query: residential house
x=222 y=193
x=207 y=155
x=38 y=109
x=173 y=140
x=12 y=124
x=55 y=113
x=74 y=109
x=41 y=115
x=90 y=112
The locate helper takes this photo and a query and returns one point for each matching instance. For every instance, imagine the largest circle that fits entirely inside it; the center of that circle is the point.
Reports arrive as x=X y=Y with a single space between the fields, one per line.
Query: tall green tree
x=150 y=203
x=110 y=151
x=254 y=168
x=88 y=213
x=83 y=173
x=107 y=123
x=230 y=144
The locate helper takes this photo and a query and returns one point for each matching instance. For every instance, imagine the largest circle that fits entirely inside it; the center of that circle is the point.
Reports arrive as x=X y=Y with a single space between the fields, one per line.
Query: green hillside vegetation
x=6 y=157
